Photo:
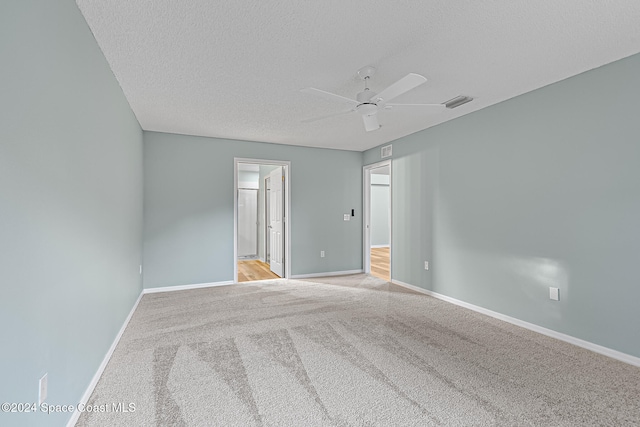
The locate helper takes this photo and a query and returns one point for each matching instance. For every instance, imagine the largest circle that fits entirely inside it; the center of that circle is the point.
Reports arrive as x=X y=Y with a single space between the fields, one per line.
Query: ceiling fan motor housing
x=365 y=96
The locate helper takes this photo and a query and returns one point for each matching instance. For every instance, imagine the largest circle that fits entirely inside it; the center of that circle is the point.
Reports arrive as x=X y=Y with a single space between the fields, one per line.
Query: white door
x=276 y=222
x=247 y=222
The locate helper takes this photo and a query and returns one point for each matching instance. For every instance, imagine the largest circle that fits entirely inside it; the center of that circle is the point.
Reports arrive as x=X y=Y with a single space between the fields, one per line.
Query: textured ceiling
x=235 y=69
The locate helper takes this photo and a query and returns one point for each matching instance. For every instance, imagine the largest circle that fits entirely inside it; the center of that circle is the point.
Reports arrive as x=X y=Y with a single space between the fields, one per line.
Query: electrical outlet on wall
x=321 y=254
x=426 y=265
x=554 y=293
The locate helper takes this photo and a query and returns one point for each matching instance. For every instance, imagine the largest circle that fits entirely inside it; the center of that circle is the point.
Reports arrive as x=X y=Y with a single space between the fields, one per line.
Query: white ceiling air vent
x=386 y=151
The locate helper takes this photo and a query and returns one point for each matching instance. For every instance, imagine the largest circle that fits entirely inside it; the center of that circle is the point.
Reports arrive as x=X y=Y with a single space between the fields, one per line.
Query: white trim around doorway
x=366 y=223
x=287 y=211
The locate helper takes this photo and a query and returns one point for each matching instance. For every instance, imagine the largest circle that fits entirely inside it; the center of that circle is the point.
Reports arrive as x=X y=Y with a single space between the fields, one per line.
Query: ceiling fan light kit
x=368 y=103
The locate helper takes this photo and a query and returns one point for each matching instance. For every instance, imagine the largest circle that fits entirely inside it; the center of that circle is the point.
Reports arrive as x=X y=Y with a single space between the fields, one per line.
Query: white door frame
x=287 y=216
x=366 y=223
x=267 y=247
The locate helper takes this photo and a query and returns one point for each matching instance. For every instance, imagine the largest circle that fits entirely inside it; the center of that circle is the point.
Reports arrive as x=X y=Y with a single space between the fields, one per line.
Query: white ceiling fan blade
x=329 y=96
x=403 y=85
x=371 y=122
x=426 y=107
x=314 y=119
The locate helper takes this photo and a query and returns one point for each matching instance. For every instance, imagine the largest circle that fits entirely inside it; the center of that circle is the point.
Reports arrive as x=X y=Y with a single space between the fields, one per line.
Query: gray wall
x=188 y=218
x=70 y=205
x=541 y=190
x=248 y=179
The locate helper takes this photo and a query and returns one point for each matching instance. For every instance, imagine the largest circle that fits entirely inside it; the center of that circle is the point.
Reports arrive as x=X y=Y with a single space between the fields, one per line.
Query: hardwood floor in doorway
x=254 y=270
x=380 y=263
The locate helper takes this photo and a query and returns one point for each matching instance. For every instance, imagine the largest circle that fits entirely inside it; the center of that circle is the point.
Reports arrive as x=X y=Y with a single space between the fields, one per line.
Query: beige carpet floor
x=348 y=351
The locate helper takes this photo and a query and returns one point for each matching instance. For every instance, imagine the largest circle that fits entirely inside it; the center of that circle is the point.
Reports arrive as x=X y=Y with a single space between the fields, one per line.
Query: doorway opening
x=261 y=220
x=377 y=221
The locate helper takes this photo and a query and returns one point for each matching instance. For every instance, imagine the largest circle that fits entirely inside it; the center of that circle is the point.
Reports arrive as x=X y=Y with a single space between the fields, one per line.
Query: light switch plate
x=554 y=293
x=42 y=389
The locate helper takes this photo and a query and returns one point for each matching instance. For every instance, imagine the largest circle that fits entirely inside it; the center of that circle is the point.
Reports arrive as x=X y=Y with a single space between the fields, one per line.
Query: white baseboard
x=379 y=246
x=614 y=354
x=329 y=273
x=186 y=287
x=103 y=365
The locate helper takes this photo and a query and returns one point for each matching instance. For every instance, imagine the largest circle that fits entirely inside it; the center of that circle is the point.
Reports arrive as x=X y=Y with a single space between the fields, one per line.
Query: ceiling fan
x=368 y=103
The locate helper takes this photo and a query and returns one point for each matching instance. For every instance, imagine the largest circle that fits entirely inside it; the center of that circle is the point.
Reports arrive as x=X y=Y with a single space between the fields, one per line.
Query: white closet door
x=276 y=222
x=247 y=223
